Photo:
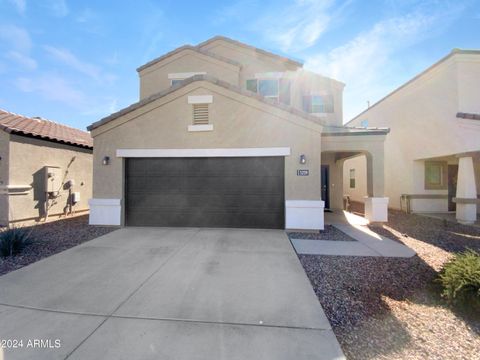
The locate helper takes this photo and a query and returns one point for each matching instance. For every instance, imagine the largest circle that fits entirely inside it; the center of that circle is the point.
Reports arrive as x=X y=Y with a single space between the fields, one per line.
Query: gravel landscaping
x=330 y=233
x=390 y=308
x=51 y=238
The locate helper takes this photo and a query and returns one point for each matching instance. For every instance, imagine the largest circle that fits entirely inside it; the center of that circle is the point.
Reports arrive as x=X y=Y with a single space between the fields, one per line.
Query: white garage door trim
x=242 y=152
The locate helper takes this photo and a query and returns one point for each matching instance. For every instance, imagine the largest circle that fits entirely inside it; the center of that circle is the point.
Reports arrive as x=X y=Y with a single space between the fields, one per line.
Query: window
x=352 y=178
x=176 y=81
x=316 y=104
x=278 y=89
x=435 y=175
x=364 y=123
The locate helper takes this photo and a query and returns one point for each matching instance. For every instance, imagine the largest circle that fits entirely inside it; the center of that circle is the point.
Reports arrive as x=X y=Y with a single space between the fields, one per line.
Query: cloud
x=69 y=59
x=58 y=8
x=18 y=38
x=24 y=60
x=369 y=62
x=53 y=87
x=21 y=5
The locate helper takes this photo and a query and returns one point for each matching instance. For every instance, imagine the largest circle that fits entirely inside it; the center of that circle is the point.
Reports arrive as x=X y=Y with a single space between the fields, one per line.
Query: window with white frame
x=277 y=89
x=176 y=78
x=318 y=104
x=352 y=178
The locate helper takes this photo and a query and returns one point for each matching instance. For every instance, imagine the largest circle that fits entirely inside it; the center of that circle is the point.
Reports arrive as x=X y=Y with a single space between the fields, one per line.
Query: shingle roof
x=470 y=116
x=45 y=129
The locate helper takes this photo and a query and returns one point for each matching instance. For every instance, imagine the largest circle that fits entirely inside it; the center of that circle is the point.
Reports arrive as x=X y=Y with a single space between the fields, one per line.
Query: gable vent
x=200 y=114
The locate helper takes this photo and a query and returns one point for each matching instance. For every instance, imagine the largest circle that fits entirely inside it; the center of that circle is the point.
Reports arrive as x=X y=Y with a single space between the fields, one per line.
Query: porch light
x=106 y=160
x=303 y=159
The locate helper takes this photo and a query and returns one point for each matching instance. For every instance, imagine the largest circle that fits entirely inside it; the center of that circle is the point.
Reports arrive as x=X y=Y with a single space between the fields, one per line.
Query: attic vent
x=200 y=114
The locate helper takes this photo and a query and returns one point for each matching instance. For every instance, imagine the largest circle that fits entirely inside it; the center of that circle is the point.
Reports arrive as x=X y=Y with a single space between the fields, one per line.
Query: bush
x=13 y=241
x=460 y=278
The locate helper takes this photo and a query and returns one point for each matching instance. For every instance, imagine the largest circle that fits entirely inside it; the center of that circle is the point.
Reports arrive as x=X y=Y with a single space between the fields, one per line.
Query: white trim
x=242 y=152
x=185 y=75
x=15 y=189
x=105 y=212
x=194 y=128
x=200 y=99
x=304 y=214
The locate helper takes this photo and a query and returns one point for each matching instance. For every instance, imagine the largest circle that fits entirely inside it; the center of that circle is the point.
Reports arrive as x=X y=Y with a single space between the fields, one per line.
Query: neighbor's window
x=176 y=81
x=278 y=89
x=318 y=104
x=352 y=178
x=364 y=123
x=435 y=175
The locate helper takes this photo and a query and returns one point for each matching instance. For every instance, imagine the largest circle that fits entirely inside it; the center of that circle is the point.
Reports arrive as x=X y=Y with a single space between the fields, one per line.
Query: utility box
x=76 y=197
x=53 y=179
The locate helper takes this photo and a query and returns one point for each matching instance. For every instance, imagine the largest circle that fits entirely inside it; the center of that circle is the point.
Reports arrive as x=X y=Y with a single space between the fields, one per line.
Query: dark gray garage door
x=205 y=192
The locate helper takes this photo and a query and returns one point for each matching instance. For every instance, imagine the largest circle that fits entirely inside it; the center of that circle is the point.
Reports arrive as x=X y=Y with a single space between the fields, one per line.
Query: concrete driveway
x=164 y=293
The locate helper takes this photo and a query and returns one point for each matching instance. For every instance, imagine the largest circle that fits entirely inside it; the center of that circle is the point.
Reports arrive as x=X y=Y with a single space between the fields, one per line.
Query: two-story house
x=432 y=155
x=229 y=135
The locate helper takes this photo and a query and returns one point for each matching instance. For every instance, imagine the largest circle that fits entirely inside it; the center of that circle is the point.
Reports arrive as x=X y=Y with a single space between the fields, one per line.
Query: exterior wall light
x=106 y=160
x=303 y=159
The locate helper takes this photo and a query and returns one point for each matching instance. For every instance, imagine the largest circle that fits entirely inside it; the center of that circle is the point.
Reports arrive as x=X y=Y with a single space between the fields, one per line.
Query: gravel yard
x=330 y=233
x=390 y=308
x=53 y=237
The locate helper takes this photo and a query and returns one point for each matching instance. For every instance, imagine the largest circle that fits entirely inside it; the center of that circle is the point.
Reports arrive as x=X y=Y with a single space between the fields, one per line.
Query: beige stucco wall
x=238 y=122
x=4 y=151
x=28 y=156
x=155 y=78
x=423 y=123
x=359 y=163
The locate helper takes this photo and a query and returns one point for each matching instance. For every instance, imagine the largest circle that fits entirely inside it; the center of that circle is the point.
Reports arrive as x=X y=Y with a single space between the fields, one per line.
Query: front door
x=325 y=185
x=452 y=186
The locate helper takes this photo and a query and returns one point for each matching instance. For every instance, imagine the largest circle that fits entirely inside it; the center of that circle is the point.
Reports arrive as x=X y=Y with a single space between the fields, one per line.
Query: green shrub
x=460 y=278
x=13 y=241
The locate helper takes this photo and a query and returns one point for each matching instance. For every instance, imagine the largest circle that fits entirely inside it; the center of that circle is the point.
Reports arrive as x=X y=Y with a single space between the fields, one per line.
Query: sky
x=75 y=62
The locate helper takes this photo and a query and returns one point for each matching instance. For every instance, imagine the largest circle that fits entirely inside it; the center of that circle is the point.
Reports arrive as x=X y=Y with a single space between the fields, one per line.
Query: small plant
x=13 y=241
x=460 y=278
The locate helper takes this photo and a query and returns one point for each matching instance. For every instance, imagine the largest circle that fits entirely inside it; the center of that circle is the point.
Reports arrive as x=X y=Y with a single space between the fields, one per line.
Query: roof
x=332 y=130
x=187 y=47
x=198 y=48
x=261 y=51
x=439 y=62
x=45 y=129
x=470 y=116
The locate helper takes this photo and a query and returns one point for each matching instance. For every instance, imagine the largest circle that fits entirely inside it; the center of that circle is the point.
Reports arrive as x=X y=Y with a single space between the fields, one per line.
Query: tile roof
x=198 y=48
x=45 y=129
x=470 y=116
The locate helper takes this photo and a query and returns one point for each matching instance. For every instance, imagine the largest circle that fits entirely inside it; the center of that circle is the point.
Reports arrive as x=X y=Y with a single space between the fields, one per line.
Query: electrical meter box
x=76 y=197
x=53 y=179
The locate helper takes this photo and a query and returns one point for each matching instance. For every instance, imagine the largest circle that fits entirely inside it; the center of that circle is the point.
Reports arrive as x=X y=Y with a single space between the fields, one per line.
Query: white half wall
x=304 y=214
x=376 y=209
x=105 y=212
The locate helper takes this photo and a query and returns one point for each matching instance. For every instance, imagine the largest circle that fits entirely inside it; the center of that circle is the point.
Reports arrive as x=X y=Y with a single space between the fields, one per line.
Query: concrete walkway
x=368 y=243
x=160 y=293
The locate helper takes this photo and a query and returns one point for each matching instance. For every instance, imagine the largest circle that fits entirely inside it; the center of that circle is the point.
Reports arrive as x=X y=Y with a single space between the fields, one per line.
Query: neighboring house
x=432 y=155
x=228 y=135
x=45 y=169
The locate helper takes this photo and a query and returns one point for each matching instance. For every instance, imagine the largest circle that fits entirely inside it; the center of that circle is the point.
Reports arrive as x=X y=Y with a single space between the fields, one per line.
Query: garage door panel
x=213 y=192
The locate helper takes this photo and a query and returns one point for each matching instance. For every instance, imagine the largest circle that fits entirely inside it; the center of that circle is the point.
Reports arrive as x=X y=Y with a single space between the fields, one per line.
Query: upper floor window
x=364 y=123
x=175 y=81
x=278 y=89
x=176 y=78
x=318 y=104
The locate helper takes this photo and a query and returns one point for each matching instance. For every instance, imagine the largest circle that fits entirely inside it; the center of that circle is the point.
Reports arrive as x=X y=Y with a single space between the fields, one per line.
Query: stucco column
x=376 y=205
x=466 y=196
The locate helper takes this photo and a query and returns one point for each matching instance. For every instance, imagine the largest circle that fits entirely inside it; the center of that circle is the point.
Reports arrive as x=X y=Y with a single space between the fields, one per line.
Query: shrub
x=13 y=241
x=460 y=278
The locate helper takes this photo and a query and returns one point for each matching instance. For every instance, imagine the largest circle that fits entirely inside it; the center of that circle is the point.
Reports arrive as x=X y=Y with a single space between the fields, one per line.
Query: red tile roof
x=45 y=129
